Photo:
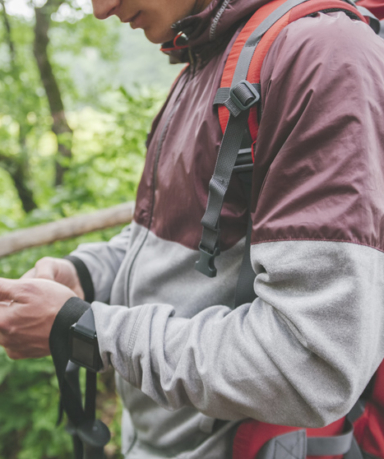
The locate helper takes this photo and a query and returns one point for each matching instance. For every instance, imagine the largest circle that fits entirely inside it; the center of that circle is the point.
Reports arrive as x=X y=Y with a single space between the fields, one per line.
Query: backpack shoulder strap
x=247 y=36
x=239 y=99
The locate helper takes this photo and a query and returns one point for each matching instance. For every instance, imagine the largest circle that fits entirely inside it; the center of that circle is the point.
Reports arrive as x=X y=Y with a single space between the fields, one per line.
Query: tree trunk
x=19 y=174
x=17 y=167
x=60 y=126
x=8 y=35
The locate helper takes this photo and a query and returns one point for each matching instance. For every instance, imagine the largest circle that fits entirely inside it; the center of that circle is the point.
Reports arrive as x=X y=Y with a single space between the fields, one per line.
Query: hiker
x=189 y=366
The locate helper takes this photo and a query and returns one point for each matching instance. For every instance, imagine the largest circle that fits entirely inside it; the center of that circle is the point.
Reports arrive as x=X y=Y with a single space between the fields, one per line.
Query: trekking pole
x=90 y=437
x=89 y=434
x=93 y=433
x=72 y=377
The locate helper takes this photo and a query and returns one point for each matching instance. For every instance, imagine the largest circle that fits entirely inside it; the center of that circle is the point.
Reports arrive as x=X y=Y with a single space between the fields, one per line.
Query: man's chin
x=159 y=38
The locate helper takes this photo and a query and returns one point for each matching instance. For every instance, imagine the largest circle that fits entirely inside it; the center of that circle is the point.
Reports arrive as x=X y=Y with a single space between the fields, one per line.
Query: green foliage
x=75 y=38
x=29 y=400
x=109 y=147
x=108 y=156
x=110 y=121
x=28 y=388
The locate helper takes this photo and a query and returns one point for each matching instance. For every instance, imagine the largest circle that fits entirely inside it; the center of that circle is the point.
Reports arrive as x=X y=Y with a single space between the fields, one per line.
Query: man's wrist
x=69 y=314
x=83 y=343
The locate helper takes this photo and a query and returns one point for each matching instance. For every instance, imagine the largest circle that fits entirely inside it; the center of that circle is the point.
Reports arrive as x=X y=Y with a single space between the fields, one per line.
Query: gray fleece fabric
x=187 y=362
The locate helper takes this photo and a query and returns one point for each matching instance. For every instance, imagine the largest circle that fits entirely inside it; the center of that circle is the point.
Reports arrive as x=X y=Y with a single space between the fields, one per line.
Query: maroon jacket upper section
x=318 y=171
x=322 y=134
x=375 y=6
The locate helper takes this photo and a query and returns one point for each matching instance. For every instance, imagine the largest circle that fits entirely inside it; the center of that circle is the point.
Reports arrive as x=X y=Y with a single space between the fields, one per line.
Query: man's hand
x=28 y=308
x=58 y=270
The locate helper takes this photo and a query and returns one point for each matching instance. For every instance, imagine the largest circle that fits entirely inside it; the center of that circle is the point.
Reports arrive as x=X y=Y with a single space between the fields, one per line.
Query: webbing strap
x=296 y=444
x=248 y=50
x=218 y=186
x=331 y=446
x=90 y=396
x=89 y=435
x=223 y=97
x=356 y=411
x=72 y=378
x=219 y=182
x=244 y=289
x=58 y=343
x=355 y=451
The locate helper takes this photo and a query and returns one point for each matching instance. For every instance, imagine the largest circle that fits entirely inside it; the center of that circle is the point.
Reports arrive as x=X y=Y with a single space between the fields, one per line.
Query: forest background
x=77 y=97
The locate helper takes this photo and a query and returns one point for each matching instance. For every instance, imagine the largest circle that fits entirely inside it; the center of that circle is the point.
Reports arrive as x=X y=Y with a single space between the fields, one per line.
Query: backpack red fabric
x=253 y=436
x=369 y=428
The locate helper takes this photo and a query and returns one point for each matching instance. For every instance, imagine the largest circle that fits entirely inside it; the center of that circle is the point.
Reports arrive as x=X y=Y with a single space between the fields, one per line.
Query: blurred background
x=77 y=97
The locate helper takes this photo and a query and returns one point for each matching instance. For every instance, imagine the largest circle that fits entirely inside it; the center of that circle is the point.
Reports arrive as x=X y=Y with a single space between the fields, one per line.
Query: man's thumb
x=31 y=274
x=44 y=270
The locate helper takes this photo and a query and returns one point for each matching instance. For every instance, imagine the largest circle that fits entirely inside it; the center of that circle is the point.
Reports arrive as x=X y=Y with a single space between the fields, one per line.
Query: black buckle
x=206 y=264
x=244 y=99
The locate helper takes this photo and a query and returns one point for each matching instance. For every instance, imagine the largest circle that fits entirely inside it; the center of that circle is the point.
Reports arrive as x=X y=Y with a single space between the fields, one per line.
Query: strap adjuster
x=206 y=264
x=244 y=95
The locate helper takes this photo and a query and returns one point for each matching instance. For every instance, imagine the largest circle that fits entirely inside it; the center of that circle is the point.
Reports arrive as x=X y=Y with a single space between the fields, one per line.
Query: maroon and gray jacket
x=190 y=366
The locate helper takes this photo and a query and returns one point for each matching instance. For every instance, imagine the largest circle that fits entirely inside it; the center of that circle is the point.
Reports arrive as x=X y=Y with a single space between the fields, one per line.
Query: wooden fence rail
x=66 y=228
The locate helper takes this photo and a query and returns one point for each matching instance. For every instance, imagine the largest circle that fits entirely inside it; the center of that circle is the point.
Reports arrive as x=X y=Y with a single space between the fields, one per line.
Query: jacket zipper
x=154 y=182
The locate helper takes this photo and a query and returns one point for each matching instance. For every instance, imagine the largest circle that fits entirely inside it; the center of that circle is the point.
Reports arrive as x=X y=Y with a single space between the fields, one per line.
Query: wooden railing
x=65 y=228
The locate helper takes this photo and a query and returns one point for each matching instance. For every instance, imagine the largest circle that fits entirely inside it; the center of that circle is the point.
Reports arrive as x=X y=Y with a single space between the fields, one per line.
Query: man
x=189 y=366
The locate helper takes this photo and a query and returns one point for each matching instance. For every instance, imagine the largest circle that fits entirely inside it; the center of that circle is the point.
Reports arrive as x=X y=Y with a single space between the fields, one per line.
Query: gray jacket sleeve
x=103 y=260
x=300 y=354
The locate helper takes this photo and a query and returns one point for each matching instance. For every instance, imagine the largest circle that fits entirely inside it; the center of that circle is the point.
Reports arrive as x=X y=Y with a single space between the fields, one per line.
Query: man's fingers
x=8 y=289
x=5 y=304
x=9 y=342
x=3 y=339
x=5 y=320
x=14 y=355
x=44 y=269
x=31 y=274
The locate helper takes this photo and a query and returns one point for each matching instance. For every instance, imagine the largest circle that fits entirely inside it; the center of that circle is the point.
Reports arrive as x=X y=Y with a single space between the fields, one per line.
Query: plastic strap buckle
x=244 y=95
x=206 y=264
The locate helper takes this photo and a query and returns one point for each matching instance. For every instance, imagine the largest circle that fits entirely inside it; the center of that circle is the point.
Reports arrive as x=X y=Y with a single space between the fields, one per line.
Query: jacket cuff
x=84 y=277
x=69 y=314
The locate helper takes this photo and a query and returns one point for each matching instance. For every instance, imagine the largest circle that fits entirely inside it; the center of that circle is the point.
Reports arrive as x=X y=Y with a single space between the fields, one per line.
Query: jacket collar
x=209 y=25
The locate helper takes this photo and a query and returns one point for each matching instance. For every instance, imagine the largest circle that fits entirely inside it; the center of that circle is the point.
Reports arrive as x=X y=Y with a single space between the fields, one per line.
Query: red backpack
x=360 y=434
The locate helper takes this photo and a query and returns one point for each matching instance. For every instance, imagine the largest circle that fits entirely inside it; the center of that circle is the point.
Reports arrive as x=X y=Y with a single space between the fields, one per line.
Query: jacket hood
x=212 y=23
x=216 y=19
